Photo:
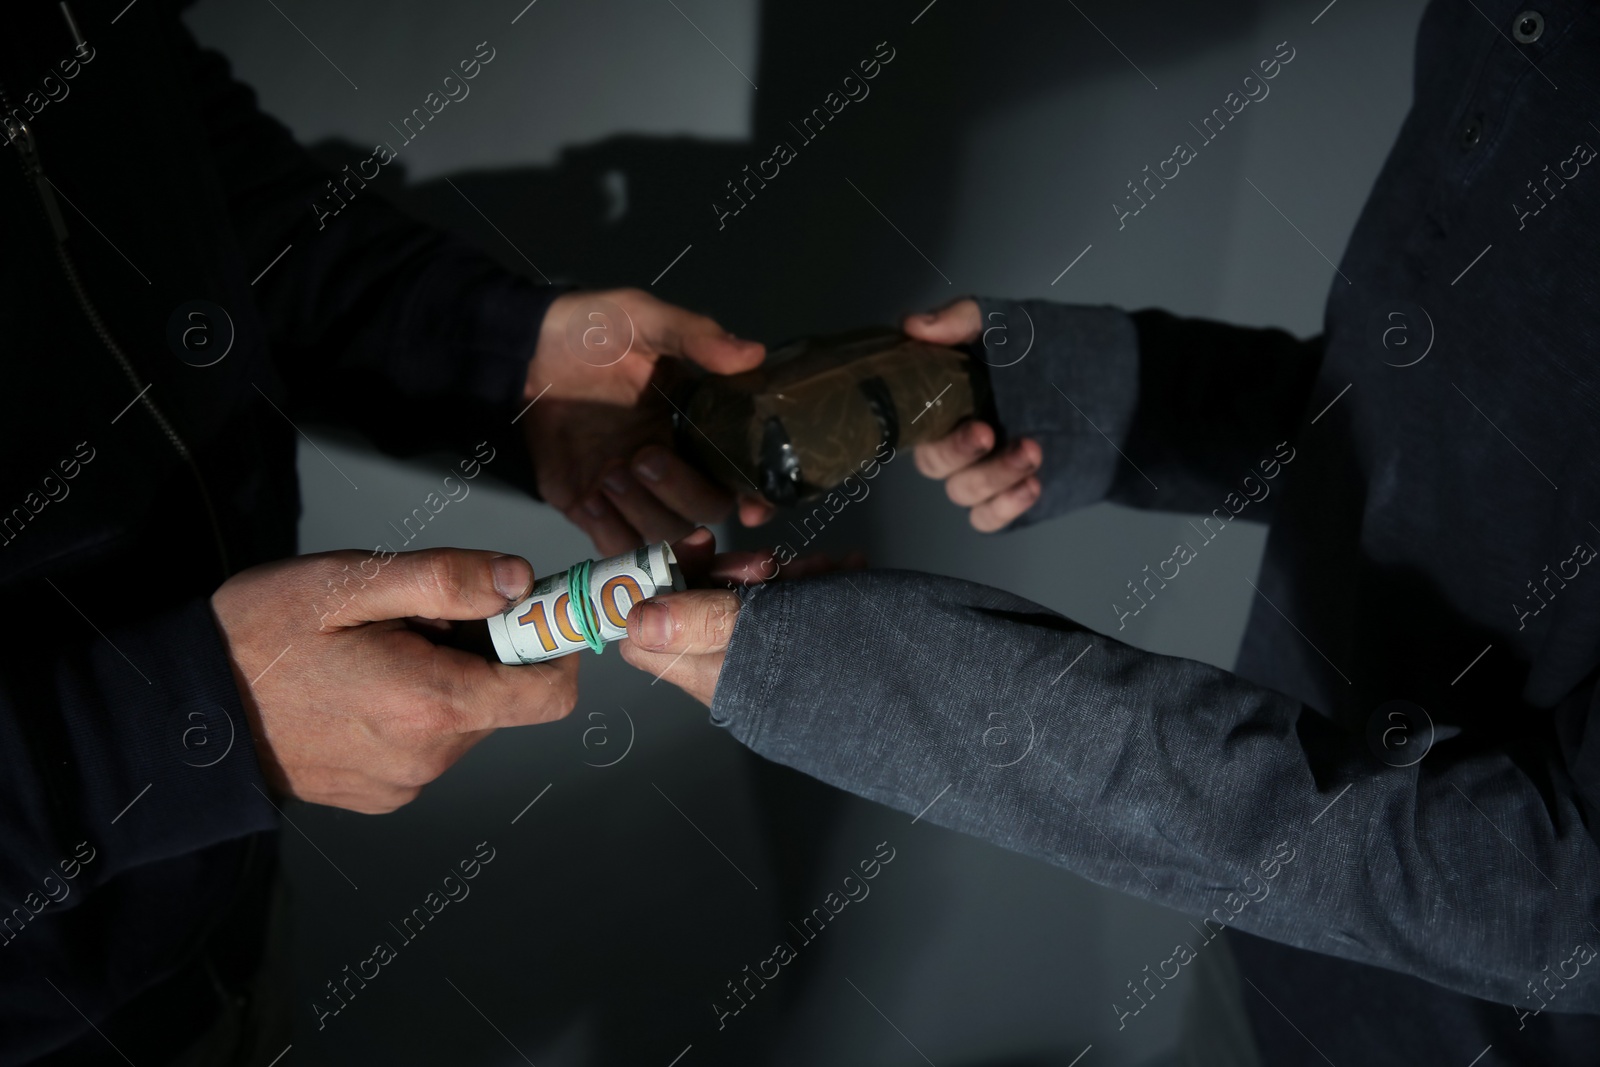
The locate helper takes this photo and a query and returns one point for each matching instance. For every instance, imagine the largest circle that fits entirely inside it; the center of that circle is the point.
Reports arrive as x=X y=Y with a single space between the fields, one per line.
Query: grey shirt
x=1422 y=511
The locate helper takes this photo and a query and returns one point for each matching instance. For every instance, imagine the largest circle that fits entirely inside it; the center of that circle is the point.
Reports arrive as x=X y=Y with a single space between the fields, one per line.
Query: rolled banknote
x=548 y=624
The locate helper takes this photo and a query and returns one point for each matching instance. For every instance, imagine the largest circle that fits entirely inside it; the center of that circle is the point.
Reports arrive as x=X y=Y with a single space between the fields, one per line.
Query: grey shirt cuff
x=1068 y=377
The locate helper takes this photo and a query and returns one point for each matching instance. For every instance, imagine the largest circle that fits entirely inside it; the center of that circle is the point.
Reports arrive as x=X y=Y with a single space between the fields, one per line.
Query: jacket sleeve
x=1178 y=782
x=1142 y=408
x=375 y=320
x=124 y=744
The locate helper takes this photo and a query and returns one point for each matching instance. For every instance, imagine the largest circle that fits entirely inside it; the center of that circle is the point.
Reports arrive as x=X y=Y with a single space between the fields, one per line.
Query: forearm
x=374 y=319
x=1145 y=408
x=1164 y=778
x=122 y=749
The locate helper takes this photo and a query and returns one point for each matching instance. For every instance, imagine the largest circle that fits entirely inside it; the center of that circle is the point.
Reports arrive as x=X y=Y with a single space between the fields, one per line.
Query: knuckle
x=399 y=797
x=960 y=492
x=385 y=801
x=718 y=621
x=566 y=702
x=441 y=573
x=637 y=657
x=329 y=565
x=420 y=769
x=1003 y=476
x=552 y=705
x=551 y=693
x=431 y=719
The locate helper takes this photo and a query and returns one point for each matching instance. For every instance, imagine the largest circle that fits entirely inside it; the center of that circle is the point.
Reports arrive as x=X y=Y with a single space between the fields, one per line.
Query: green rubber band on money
x=582 y=607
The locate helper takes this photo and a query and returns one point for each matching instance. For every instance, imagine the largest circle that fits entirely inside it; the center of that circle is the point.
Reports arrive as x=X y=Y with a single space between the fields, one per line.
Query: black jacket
x=135 y=480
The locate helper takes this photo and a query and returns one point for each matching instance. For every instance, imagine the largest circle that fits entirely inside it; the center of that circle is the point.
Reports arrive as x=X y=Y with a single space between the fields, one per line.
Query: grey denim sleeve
x=1144 y=408
x=1168 y=779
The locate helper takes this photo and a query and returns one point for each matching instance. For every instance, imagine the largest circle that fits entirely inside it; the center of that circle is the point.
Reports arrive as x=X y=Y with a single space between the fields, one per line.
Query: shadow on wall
x=794 y=260
x=806 y=253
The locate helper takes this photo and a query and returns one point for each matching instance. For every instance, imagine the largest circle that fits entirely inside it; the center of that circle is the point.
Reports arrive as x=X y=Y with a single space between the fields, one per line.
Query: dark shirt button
x=1473 y=130
x=1527 y=27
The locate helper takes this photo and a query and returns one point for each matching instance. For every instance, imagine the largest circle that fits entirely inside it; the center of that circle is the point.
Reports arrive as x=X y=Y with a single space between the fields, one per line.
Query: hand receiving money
x=996 y=486
x=683 y=636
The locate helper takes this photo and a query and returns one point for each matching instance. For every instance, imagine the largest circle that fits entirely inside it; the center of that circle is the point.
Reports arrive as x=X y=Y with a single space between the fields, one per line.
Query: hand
x=995 y=486
x=683 y=636
x=601 y=431
x=350 y=705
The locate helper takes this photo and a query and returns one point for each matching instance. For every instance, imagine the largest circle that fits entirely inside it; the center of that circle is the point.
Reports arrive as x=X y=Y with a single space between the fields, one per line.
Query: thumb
x=701 y=340
x=688 y=623
x=441 y=583
x=956 y=324
x=723 y=353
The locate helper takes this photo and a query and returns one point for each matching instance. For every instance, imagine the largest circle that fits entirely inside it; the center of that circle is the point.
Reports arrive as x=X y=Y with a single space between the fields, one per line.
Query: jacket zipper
x=20 y=135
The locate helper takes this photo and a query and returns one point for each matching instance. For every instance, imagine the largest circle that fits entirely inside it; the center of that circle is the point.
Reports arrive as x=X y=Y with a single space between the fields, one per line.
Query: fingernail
x=697 y=536
x=594 y=507
x=975 y=437
x=618 y=481
x=651 y=466
x=1020 y=458
x=651 y=625
x=512 y=577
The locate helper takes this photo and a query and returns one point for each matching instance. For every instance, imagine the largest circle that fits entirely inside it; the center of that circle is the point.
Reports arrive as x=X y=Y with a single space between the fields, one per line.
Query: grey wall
x=995 y=141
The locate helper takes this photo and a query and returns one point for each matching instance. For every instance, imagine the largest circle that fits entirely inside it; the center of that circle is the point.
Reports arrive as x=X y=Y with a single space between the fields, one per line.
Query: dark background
x=593 y=146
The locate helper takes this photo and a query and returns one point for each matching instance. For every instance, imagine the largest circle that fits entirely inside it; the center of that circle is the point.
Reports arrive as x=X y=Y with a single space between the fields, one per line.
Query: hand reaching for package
x=599 y=420
x=994 y=485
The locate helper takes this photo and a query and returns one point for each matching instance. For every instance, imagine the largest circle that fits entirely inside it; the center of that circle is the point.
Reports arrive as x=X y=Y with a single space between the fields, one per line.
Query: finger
x=743 y=567
x=693 y=674
x=488 y=696
x=970 y=487
x=441 y=583
x=680 y=487
x=639 y=507
x=755 y=510
x=957 y=450
x=807 y=566
x=721 y=352
x=610 y=532
x=696 y=551
x=659 y=665
x=998 y=512
x=673 y=331
x=690 y=623
x=955 y=324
